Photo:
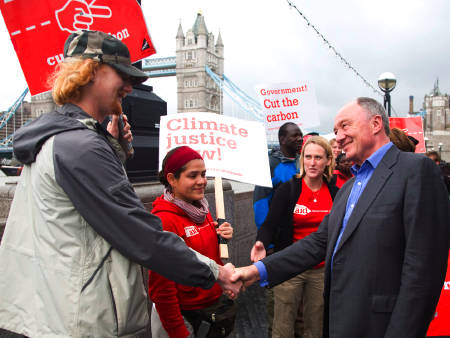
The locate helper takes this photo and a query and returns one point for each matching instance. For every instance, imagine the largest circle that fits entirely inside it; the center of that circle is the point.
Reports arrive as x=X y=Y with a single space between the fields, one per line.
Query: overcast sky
x=267 y=42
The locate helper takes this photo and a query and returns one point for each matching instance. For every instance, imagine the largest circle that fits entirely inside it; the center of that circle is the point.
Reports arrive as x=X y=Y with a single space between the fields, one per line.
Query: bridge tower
x=197 y=91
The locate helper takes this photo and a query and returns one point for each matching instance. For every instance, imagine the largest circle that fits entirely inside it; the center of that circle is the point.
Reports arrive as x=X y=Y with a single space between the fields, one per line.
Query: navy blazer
x=390 y=265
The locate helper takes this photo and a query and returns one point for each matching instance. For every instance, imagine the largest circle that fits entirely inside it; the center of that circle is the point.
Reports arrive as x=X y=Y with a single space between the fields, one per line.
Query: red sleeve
x=163 y=294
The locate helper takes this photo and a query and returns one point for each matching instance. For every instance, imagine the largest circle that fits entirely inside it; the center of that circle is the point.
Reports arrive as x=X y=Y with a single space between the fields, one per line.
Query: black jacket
x=388 y=270
x=278 y=226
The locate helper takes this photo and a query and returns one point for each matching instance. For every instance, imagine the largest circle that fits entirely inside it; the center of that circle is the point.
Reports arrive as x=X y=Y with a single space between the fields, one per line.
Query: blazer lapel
x=337 y=215
x=371 y=191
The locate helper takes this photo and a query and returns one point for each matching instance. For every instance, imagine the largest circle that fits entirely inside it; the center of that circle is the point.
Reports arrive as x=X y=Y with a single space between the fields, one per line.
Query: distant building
x=196 y=90
x=437 y=122
x=15 y=121
x=42 y=103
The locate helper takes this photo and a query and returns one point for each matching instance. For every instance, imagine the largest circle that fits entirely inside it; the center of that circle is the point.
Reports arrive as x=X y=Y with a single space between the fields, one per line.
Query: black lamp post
x=387 y=82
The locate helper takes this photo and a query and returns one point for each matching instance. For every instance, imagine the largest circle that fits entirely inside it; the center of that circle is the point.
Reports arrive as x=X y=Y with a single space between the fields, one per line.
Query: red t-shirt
x=340 y=178
x=310 y=210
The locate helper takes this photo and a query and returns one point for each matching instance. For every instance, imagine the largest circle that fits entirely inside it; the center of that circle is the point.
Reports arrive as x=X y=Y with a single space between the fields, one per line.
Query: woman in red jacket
x=183 y=210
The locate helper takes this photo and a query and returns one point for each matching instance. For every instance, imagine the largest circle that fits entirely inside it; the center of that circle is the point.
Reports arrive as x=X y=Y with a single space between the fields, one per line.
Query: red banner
x=440 y=325
x=412 y=126
x=38 y=30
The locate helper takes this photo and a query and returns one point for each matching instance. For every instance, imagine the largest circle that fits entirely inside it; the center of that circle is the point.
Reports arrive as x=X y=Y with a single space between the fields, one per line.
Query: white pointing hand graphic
x=78 y=14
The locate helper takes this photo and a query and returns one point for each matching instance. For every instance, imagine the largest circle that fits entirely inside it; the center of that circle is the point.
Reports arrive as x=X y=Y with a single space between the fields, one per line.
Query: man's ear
x=377 y=124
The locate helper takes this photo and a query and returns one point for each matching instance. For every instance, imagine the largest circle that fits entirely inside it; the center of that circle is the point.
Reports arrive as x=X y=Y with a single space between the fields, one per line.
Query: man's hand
x=113 y=128
x=247 y=275
x=258 y=252
x=231 y=289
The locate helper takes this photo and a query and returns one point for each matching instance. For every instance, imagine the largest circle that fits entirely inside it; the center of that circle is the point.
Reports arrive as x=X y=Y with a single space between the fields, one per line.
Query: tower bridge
x=199 y=70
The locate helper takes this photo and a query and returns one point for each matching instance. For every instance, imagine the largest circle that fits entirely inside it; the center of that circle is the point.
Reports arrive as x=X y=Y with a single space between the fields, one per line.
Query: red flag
x=38 y=30
x=440 y=324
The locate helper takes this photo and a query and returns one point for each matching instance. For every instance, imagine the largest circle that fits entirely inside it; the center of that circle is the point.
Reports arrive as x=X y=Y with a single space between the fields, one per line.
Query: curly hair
x=69 y=77
x=320 y=141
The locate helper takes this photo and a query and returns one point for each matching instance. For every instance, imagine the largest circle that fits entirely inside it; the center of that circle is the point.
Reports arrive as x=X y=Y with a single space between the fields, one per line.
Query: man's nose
x=339 y=136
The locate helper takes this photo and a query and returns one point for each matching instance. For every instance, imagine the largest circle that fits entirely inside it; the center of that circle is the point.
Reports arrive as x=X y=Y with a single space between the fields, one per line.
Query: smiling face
x=336 y=149
x=109 y=87
x=191 y=184
x=315 y=161
x=355 y=132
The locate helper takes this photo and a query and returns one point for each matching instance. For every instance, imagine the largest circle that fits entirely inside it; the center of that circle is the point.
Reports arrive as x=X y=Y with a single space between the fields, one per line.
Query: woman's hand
x=225 y=230
x=258 y=252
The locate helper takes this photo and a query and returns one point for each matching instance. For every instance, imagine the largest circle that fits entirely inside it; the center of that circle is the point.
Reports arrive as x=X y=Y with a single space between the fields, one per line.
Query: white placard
x=232 y=148
x=288 y=102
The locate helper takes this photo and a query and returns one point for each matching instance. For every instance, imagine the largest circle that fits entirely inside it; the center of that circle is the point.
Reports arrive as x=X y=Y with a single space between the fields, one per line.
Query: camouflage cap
x=103 y=48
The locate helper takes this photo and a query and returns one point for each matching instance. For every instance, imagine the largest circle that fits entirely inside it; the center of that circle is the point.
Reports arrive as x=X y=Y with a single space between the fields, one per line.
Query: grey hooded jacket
x=77 y=234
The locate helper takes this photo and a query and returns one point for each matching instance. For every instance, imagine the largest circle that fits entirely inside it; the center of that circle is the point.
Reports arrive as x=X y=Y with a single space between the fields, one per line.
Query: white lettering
x=190 y=231
x=301 y=210
x=53 y=60
x=121 y=35
x=446 y=285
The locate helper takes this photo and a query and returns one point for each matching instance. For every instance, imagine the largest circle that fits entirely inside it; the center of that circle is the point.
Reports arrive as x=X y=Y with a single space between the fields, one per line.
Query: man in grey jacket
x=77 y=233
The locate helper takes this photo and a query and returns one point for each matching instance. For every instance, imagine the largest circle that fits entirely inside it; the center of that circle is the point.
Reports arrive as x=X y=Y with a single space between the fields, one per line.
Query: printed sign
x=439 y=325
x=232 y=148
x=38 y=30
x=412 y=126
x=289 y=102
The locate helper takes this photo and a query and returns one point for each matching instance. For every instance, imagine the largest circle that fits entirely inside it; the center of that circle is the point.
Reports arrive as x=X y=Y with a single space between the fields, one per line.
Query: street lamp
x=387 y=82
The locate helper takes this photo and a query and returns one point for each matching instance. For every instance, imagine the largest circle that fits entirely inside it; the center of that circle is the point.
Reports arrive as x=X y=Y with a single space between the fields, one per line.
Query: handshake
x=234 y=280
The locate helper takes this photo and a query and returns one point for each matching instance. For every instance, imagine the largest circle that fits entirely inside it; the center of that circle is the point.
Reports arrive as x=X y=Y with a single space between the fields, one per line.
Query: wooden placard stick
x=220 y=215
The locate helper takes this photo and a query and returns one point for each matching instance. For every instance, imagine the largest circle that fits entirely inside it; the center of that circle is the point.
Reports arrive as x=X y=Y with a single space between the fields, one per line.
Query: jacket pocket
x=383 y=303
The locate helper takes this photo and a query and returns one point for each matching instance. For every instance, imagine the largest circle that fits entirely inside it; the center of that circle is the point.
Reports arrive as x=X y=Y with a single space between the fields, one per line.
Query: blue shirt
x=362 y=175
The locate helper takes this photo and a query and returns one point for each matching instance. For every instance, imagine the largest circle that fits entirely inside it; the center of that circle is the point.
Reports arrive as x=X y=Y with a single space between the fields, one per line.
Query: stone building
x=197 y=91
x=437 y=122
x=42 y=103
x=15 y=121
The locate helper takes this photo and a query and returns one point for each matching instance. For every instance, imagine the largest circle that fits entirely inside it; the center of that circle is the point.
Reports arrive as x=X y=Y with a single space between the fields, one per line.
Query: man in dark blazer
x=385 y=242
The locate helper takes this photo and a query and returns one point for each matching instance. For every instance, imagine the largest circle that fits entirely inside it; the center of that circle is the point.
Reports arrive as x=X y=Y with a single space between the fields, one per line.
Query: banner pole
x=220 y=215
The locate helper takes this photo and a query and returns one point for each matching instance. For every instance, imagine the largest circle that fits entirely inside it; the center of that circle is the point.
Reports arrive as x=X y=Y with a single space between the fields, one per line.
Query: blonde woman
x=297 y=209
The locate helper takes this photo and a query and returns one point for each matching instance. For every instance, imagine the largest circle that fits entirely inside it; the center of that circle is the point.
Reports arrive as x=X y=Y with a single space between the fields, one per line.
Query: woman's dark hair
x=162 y=177
x=341 y=157
x=401 y=140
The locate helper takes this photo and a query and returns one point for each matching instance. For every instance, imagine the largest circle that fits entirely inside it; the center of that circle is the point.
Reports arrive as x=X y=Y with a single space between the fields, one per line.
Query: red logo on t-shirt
x=301 y=210
x=191 y=231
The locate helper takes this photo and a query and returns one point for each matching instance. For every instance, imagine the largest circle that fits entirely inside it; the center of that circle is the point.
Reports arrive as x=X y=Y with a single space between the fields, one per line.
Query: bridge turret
x=220 y=55
x=200 y=31
x=180 y=37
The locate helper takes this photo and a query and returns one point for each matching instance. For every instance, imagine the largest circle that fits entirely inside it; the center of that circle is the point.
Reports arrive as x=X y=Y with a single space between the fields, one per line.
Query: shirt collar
x=373 y=159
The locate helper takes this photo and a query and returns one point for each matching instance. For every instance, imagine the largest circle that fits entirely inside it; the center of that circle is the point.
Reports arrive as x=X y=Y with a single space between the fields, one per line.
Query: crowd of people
x=352 y=239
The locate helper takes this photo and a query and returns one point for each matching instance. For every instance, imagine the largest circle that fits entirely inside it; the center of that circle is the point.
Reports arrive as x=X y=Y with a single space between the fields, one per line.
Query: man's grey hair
x=373 y=107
